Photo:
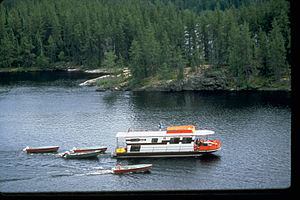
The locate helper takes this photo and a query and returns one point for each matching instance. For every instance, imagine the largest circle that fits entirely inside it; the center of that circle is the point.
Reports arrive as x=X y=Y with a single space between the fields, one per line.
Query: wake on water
x=100 y=172
x=83 y=171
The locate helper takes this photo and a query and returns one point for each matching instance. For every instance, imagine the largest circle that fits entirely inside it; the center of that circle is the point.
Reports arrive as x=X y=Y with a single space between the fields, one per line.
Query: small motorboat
x=44 y=149
x=79 y=155
x=85 y=149
x=131 y=168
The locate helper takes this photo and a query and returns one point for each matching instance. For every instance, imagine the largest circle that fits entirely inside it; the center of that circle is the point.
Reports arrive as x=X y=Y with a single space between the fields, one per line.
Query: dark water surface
x=51 y=109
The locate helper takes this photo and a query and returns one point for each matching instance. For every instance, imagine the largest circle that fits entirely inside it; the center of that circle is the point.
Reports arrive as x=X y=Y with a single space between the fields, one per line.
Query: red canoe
x=45 y=149
x=101 y=149
x=132 y=168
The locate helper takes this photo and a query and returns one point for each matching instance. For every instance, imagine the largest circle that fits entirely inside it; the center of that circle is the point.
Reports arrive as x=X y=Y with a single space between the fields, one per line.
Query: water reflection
x=197 y=108
x=110 y=97
x=210 y=158
x=45 y=78
x=192 y=99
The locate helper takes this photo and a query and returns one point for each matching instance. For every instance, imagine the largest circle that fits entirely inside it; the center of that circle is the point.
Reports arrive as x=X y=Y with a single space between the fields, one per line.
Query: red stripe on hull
x=84 y=150
x=41 y=150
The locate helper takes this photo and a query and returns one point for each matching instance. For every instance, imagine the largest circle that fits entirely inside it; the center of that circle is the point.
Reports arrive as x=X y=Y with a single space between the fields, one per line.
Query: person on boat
x=197 y=142
x=120 y=165
x=201 y=139
x=160 y=126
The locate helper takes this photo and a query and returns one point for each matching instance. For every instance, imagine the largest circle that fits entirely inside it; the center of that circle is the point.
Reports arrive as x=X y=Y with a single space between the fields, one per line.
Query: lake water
x=41 y=109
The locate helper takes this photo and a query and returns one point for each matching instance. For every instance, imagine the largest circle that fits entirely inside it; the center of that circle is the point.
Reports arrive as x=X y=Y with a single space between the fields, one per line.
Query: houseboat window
x=135 y=148
x=154 y=140
x=174 y=140
x=134 y=140
x=186 y=140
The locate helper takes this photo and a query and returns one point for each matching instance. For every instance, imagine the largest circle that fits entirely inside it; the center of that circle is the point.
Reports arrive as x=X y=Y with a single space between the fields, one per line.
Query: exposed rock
x=122 y=82
x=93 y=82
x=124 y=86
x=209 y=81
x=205 y=81
x=96 y=71
x=73 y=70
x=198 y=80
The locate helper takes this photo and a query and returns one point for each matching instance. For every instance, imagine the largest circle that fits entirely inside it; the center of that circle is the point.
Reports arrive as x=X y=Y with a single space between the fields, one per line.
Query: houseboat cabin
x=176 y=141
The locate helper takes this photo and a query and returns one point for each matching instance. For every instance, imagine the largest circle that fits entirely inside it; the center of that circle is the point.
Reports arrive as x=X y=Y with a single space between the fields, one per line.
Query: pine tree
x=27 y=51
x=240 y=55
x=262 y=54
x=178 y=63
x=204 y=36
x=247 y=52
x=51 y=49
x=277 y=51
x=151 y=51
x=136 y=63
x=218 y=37
x=109 y=60
x=165 y=56
x=190 y=37
x=4 y=40
x=7 y=49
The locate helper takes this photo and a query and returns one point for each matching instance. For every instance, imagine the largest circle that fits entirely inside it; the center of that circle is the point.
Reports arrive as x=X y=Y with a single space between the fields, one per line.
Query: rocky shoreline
x=214 y=81
x=200 y=81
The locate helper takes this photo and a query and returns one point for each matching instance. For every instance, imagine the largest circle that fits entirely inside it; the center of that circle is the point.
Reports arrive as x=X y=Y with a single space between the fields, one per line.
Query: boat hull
x=164 y=154
x=81 y=155
x=47 y=149
x=101 y=149
x=132 y=168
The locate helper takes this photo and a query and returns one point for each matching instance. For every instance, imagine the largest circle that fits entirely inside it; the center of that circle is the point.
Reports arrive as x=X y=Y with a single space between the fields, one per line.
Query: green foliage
x=152 y=38
x=109 y=60
x=277 y=51
x=110 y=83
x=240 y=54
x=61 y=56
x=42 y=62
x=136 y=62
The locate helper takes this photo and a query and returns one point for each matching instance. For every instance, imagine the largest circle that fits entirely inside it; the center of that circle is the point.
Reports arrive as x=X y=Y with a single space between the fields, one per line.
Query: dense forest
x=249 y=39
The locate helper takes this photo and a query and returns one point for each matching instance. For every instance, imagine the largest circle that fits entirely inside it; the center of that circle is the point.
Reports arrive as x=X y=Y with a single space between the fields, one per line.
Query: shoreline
x=206 y=81
x=33 y=69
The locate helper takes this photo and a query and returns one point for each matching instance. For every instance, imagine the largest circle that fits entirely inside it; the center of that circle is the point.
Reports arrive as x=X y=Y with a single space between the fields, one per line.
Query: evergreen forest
x=249 y=39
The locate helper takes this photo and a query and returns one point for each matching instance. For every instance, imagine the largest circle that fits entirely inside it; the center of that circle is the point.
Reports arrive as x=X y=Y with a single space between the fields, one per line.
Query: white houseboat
x=176 y=141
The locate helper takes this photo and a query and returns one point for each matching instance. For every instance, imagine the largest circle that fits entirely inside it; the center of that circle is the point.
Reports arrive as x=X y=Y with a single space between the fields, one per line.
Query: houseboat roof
x=131 y=134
